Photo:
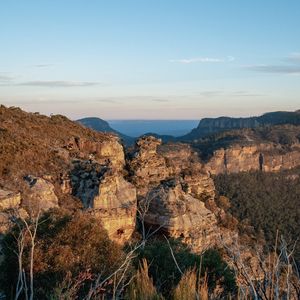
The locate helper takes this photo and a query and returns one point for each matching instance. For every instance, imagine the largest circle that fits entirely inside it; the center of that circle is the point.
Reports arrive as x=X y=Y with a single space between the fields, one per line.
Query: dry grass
x=142 y=286
x=191 y=287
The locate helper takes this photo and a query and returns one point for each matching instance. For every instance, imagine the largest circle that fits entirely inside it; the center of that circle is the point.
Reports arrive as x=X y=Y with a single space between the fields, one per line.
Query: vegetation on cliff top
x=269 y=201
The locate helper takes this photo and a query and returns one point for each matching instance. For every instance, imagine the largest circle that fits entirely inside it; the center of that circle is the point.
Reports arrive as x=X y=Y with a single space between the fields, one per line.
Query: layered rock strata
x=263 y=157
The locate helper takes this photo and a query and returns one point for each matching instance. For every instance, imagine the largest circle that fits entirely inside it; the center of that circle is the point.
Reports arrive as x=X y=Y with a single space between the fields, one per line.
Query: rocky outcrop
x=108 y=195
x=263 y=157
x=9 y=199
x=180 y=215
x=109 y=151
x=40 y=195
x=147 y=167
x=10 y=209
x=152 y=163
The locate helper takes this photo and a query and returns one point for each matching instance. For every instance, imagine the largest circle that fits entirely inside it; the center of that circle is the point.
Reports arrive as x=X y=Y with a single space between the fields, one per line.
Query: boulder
x=40 y=195
x=9 y=199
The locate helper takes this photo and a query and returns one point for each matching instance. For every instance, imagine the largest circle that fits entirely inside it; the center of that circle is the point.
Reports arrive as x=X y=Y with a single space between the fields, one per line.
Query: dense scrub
x=69 y=253
x=270 y=201
x=73 y=254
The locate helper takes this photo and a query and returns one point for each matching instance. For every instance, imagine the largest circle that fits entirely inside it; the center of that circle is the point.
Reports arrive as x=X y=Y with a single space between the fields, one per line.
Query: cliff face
x=263 y=157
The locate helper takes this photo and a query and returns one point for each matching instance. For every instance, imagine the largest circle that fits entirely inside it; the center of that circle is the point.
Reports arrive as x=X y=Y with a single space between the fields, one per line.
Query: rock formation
x=147 y=167
x=110 y=197
x=180 y=215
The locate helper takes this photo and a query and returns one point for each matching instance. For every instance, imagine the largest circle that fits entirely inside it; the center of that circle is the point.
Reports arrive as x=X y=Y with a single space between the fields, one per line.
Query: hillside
x=31 y=143
x=209 y=126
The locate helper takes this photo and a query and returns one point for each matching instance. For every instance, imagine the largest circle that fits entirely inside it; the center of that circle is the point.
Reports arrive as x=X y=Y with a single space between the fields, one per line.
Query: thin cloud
x=160 y=100
x=43 y=65
x=202 y=60
x=5 y=78
x=294 y=57
x=290 y=66
x=58 y=83
x=276 y=69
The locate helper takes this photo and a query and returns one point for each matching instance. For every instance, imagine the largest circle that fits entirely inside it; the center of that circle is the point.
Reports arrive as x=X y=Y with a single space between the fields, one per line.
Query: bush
x=67 y=246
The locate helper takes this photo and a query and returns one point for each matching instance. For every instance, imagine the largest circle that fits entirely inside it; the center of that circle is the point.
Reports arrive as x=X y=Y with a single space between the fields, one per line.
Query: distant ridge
x=103 y=126
x=209 y=126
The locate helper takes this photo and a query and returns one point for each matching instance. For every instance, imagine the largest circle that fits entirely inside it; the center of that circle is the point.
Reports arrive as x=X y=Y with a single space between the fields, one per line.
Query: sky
x=159 y=59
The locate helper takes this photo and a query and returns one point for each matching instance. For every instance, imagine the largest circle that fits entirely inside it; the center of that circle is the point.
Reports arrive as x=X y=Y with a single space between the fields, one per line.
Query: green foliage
x=67 y=246
x=270 y=201
x=166 y=275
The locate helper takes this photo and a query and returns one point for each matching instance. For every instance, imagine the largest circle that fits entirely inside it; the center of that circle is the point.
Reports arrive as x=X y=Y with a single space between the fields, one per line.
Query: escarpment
x=260 y=157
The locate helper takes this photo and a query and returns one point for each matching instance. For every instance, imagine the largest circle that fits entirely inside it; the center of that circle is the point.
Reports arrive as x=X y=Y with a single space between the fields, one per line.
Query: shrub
x=67 y=246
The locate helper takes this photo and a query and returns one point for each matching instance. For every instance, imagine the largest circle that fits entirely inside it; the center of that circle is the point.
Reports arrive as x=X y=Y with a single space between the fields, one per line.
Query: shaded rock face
x=181 y=216
x=109 y=196
x=40 y=195
x=263 y=157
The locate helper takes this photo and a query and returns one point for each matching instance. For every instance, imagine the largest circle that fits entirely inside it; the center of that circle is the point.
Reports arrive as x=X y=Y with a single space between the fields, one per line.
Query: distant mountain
x=103 y=126
x=209 y=126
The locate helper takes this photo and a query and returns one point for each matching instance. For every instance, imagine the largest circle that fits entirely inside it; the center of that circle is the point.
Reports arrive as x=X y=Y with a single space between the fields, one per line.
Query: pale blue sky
x=159 y=59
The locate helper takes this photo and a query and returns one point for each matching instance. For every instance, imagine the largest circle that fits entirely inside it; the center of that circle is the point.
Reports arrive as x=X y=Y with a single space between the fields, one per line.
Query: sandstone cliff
x=261 y=157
